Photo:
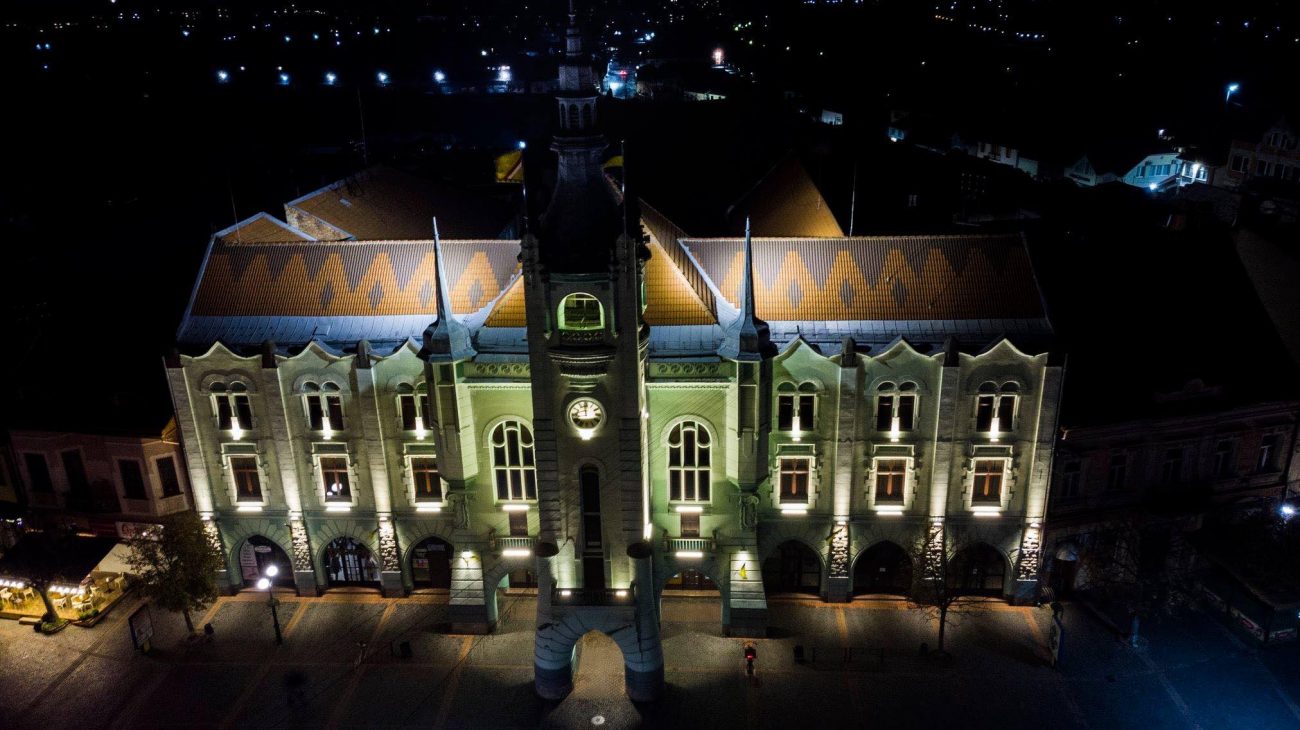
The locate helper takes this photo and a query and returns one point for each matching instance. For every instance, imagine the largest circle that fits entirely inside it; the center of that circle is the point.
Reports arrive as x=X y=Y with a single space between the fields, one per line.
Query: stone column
x=643 y=654
x=373 y=455
x=946 y=447
x=304 y=572
x=846 y=449
x=470 y=611
x=1028 y=560
x=744 y=612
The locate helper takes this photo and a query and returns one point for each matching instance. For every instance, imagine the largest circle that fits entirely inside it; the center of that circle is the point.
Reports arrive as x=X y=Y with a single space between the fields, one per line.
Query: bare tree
x=1145 y=570
x=937 y=586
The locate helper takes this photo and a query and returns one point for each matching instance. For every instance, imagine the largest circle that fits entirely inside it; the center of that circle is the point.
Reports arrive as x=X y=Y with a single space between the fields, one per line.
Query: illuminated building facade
x=609 y=408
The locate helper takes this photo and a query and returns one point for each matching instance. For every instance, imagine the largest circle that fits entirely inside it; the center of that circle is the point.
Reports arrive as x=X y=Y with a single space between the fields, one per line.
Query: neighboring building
x=620 y=79
x=99 y=483
x=608 y=414
x=1192 y=457
x=1276 y=156
x=1167 y=170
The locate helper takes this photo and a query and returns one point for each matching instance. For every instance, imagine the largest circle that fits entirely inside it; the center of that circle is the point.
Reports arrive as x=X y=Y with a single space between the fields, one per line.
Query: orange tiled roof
x=786 y=202
x=349 y=278
x=881 y=278
x=384 y=204
x=262 y=228
x=669 y=298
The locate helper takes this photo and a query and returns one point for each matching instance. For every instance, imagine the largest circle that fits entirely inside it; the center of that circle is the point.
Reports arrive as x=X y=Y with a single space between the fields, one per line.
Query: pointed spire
x=747 y=337
x=447 y=339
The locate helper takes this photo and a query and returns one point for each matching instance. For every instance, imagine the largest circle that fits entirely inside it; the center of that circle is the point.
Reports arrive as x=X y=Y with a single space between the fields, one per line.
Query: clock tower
x=583 y=259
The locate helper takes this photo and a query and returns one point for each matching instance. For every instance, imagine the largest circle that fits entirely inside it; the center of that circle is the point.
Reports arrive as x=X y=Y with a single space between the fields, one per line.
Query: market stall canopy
x=117 y=560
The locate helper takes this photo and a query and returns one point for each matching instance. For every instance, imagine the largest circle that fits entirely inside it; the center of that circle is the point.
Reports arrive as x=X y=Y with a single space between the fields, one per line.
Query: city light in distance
x=223 y=76
x=284 y=79
x=439 y=76
x=717 y=56
x=504 y=75
x=330 y=78
x=382 y=77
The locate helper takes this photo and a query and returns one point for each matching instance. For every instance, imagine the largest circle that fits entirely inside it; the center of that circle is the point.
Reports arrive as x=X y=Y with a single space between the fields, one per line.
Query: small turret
x=447 y=339
x=747 y=337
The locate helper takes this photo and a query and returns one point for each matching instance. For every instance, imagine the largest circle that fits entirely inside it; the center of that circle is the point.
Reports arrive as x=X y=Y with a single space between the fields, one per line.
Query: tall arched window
x=995 y=408
x=573 y=116
x=586 y=116
x=581 y=312
x=895 y=408
x=689 y=463
x=513 y=466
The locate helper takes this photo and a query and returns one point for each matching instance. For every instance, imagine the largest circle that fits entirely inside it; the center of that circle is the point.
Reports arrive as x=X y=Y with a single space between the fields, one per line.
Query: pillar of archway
x=634 y=626
x=472 y=605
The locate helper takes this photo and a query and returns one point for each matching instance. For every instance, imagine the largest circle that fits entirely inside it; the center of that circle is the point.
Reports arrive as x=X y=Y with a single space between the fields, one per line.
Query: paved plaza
x=337 y=668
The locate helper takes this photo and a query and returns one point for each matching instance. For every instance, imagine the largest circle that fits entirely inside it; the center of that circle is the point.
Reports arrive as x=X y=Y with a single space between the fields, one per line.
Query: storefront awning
x=50 y=557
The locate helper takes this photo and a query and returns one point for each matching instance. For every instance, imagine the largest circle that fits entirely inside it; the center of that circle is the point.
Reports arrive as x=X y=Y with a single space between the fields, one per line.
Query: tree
x=1145 y=570
x=176 y=565
x=936 y=588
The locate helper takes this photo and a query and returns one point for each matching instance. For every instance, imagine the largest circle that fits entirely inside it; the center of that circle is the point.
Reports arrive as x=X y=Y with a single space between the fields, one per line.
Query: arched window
x=796 y=407
x=895 y=408
x=581 y=312
x=231 y=406
x=573 y=116
x=513 y=465
x=586 y=116
x=324 y=404
x=995 y=408
x=412 y=404
x=689 y=463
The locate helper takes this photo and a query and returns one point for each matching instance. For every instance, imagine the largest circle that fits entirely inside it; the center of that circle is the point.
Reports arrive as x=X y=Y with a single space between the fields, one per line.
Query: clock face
x=586 y=414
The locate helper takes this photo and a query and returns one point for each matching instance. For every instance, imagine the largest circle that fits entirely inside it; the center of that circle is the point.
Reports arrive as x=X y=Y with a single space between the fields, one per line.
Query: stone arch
x=638 y=641
x=980 y=568
x=329 y=531
x=785 y=567
x=884 y=567
x=430 y=571
x=236 y=533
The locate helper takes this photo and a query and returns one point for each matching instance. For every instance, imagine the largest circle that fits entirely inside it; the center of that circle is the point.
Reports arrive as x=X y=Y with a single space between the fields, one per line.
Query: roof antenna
x=361 y=112
x=239 y=234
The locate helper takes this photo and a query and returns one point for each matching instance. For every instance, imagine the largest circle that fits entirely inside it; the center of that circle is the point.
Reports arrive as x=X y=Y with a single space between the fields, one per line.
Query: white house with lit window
x=1169 y=170
x=609 y=408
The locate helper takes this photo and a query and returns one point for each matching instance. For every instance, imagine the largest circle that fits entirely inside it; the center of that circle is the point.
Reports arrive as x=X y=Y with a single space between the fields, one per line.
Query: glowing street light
x=1232 y=89
x=264 y=584
x=523 y=144
x=439 y=77
x=284 y=79
x=504 y=75
x=717 y=56
x=382 y=77
x=1288 y=510
x=223 y=76
x=330 y=78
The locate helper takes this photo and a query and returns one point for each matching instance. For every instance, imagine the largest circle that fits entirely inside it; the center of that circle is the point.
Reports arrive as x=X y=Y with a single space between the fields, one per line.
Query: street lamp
x=1232 y=89
x=1288 y=510
x=265 y=584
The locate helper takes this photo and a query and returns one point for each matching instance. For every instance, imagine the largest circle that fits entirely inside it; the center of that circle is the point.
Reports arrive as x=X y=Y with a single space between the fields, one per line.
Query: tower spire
x=747 y=337
x=447 y=339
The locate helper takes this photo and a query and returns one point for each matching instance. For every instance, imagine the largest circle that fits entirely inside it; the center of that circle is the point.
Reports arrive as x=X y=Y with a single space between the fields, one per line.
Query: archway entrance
x=793 y=568
x=979 y=570
x=431 y=564
x=1065 y=570
x=349 y=563
x=883 y=568
x=256 y=554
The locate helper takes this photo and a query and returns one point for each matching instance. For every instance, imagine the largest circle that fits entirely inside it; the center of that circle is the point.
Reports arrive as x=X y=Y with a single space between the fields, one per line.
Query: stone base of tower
x=1023 y=593
x=390 y=583
x=838 y=589
x=744 y=612
x=304 y=582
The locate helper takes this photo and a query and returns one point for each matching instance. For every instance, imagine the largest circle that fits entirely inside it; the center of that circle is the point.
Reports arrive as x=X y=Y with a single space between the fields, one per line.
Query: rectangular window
x=1004 y=406
x=987 y=488
x=1239 y=163
x=889 y=407
x=167 y=476
x=518 y=524
x=1267 y=458
x=1171 y=468
x=581 y=312
x=75 y=469
x=891 y=480
x=690 y=525
x=1117 y=477
x=428 y=482
x=1071 y=474
x=248 y=483
x=38 y=471
x=794 y=480
x=232 y=409
x=789 y=406
x=334 y=477
x=1261 y=168
x=132 y=479
x=411 y=407
x=318 y=405
x=1224 y=453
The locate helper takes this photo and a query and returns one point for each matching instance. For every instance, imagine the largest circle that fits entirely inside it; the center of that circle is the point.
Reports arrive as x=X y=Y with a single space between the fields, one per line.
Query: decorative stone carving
x=301 y=545
x=934 y=552
x=388 y=547
x=213 y=533
x=1031 y=550
x=748 y=511
x=839 y=541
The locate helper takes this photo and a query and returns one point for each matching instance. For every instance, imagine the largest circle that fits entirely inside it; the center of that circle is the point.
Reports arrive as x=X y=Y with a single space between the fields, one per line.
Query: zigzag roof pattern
x=878 y=278
x=346 y=278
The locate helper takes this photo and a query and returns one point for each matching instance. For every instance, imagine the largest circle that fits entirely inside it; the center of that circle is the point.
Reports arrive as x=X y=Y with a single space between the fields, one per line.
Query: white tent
x=115 y=561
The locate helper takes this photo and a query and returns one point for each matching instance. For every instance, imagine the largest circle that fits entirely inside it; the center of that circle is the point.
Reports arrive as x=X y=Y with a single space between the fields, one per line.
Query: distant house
x=833 y=118
x=1165 y=170
x=1275 y=156
x=1086 y=174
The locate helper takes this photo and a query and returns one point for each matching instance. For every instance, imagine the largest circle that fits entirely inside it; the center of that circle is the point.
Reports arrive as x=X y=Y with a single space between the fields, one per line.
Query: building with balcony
x=98 y=483
x=608 y=408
